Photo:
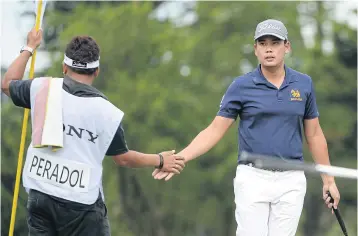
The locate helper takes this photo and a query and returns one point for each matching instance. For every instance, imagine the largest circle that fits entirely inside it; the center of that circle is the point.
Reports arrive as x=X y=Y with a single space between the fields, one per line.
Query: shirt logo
x=295 y=95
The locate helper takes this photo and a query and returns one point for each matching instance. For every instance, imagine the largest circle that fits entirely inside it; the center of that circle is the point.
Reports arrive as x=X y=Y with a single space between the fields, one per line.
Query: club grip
x=338 y=216
x=331 y=200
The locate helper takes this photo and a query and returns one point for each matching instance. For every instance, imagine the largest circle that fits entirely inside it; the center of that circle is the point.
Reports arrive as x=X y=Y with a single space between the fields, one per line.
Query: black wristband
x=161 y=161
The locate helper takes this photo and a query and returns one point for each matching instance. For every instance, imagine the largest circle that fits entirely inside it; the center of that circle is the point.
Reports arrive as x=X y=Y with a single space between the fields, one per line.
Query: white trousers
x=268 y=203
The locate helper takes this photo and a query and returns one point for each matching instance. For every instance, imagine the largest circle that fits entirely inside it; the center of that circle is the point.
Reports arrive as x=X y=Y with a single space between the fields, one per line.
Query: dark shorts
x=52 y=216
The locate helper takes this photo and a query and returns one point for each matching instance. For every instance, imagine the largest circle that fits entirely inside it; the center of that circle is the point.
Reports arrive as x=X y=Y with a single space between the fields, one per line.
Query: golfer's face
x=270 y=50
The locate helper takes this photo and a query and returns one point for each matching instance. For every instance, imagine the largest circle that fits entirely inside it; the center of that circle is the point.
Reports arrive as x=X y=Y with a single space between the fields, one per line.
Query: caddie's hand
x=332 y=188
x=172 y=163
x=34 y=38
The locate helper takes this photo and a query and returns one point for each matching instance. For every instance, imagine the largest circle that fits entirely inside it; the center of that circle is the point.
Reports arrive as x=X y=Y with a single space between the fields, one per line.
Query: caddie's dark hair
x=83 y=49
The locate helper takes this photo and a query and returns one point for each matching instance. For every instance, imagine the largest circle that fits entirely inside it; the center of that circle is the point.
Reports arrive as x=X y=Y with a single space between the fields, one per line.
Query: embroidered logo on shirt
x=295 y=95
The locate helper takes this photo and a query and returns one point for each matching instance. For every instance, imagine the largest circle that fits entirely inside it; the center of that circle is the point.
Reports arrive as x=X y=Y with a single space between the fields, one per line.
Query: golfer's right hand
x=34 y=38
x=172 y=163
x=159 y=174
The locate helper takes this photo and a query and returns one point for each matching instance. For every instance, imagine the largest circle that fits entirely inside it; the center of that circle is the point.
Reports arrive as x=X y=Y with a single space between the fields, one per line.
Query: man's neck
x=84 y=79
x=276 y=73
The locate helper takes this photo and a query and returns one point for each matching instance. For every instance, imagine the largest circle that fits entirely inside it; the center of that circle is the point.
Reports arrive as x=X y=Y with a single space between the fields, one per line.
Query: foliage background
x=168 y=76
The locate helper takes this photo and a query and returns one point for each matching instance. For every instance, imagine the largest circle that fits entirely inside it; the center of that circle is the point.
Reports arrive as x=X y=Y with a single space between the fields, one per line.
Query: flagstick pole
x=23 y=133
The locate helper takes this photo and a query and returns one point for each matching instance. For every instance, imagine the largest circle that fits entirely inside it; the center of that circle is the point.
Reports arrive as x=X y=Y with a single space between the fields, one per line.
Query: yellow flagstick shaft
x=23 y=133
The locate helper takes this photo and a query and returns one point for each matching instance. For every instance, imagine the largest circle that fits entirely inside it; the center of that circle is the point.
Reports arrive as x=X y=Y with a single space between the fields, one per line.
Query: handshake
x=170 y=164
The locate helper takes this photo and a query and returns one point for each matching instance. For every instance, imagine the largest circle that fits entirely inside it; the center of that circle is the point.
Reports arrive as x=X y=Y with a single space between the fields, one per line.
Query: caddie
x=74 y=126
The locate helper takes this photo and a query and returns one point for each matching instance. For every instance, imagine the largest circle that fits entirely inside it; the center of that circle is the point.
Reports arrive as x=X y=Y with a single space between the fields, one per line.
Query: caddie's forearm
x=17 y=68
x=15 y=71
x=319 y=150
x=135 y=159
x=201 y=144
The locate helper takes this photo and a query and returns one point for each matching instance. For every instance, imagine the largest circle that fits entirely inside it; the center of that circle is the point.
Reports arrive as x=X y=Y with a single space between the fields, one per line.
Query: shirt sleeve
x=231 y=103
x=118 y=145
x=20 y=93
x=311 y=110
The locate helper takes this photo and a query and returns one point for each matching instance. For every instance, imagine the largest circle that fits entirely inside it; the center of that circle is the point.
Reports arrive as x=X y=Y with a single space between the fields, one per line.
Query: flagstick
x=23 y=133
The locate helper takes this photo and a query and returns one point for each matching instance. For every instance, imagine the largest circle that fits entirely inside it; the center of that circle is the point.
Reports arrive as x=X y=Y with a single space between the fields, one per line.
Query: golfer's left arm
x=317 y=145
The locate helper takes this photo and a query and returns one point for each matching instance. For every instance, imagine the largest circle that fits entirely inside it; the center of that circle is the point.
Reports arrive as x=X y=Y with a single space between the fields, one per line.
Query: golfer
x=273 y=103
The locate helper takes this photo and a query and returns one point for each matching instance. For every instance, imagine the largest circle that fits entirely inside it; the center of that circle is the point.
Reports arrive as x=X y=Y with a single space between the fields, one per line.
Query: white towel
x=48 y=120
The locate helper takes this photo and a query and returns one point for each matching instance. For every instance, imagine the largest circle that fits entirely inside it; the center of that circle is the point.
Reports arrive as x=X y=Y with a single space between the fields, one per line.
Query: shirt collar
x=81 y=90
x=259 y=78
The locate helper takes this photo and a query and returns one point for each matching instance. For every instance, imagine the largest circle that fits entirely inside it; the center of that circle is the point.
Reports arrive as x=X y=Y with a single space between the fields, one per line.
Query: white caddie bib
x=73 y=172
x=62 y=173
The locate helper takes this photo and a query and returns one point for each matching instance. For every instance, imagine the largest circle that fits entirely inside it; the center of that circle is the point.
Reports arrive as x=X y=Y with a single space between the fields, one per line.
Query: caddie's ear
x=64 y=68
x=96 y=73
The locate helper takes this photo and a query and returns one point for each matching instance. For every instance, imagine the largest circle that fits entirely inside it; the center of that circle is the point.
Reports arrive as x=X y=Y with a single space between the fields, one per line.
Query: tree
x=52 y=31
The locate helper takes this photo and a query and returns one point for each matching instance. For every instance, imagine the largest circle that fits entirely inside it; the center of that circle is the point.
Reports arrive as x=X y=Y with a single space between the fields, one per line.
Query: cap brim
x=272 y=34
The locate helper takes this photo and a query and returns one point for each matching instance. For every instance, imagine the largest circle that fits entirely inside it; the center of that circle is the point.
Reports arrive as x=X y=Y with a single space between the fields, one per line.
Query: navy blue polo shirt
x=271 y=119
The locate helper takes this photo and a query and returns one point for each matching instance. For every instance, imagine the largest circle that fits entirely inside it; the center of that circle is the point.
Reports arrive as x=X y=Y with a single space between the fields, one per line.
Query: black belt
x=249 y=163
